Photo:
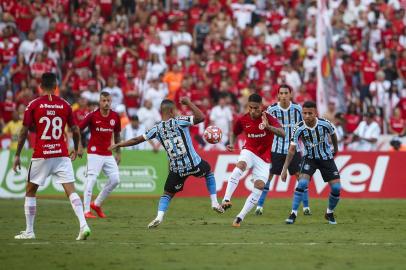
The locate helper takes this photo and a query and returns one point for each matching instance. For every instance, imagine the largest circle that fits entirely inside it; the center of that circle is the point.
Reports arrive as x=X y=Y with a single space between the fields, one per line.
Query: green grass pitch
x=371 y=234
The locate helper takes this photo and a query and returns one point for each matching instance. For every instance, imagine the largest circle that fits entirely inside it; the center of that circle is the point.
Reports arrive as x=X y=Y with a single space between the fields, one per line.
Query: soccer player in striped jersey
x=173 y=134
x=314 y=133
x=288 y=115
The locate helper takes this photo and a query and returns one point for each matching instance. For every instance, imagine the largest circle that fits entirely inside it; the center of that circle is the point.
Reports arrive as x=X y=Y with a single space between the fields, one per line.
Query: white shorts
x=96 y=163
x=41 y=168
x=260 y=168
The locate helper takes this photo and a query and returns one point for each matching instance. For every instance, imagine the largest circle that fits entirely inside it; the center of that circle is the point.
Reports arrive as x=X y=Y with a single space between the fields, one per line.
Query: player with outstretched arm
x=315 y=133
x=48 y=116
x=173 y=134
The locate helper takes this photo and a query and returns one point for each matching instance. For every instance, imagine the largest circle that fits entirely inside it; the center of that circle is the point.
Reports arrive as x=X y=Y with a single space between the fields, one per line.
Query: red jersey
x=258 y=140
x=49 y=118
x=397 y=124
x=101 y=131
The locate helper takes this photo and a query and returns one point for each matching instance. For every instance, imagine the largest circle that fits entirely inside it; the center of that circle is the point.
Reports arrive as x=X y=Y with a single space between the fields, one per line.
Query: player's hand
x=155 y=149
x=113 y=147
x=80 y=152
x=265 y=120
x=185 y=100
x=17 y=164
x=284 y=175
x=117 y=157
x=230 y=148
x=73 y=155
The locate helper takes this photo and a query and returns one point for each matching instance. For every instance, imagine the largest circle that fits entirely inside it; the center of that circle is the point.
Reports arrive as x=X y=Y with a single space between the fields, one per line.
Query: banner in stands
x=141 y=173
x=363 y=175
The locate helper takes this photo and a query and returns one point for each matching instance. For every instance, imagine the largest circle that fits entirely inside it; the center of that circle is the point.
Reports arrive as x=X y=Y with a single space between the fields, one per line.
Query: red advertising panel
x=363 y=175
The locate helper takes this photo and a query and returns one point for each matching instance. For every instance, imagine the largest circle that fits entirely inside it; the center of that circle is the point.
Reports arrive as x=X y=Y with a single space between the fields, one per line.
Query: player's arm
x=198 y=115
x=117 y=140
x=77 y=149
x=334 y=141
x=21 y=141
x=131 y=142
x=274 y=127
x=289 y=157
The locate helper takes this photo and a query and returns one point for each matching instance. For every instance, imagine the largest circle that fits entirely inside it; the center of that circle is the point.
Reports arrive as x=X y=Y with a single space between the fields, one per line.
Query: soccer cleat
x=307 y=212
x=259 y=211
x=226 y=204
x=98 y=210
x=331 y=219
x=155 y=223
x=237 y=222
x=89 y=215
x=291 y=219
x=23 y=235
x=84 y=233
x=218 y=208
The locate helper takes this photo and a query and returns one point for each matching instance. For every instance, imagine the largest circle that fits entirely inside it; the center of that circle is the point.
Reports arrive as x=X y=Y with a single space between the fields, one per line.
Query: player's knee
x=31 y=189
x=114 y=180
x=302 y=185
x=335 y=189
x=259 y=184
x=242 y=165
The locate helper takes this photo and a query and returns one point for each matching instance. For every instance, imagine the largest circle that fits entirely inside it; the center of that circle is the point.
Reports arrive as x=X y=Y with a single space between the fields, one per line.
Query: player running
x=259 y=128
x=48 y=115
x=314 y=133
x=288 y=114
x=173 y=133
x=103 y=123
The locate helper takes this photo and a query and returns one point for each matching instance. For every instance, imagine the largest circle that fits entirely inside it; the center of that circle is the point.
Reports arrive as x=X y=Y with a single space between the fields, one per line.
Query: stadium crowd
x=215 y=52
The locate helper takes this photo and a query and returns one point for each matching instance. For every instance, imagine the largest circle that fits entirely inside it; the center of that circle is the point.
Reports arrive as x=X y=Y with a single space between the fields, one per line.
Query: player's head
x=168 y=108
x=255 y=105
x=48 y=82
x=105 y=101
x=309 y=112
x=284 y=93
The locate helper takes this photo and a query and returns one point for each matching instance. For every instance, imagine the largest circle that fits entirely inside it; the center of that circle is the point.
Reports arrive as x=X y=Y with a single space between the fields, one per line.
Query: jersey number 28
x=55 y=125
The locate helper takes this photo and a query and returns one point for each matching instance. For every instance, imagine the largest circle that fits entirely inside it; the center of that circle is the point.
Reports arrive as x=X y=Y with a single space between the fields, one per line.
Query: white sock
x=233 y=183
x=329 y=211
x=30 y=209
x=78 y=208
x=214 y=201
x=87 y=193
x=108 y=188
x=251 y=201
x=160 y=215
x=294 y=212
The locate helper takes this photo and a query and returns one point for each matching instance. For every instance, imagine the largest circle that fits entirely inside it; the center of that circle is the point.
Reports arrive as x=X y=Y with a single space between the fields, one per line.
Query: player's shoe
x=226 y=204
x=237 y=222
x=25 y=235
x=291 y=219
x=307 y=212
x=98 y=210
x=89 y=215
x=259 y=211
x=218 y=208
x=331 y=219
x=155 y=223
x=84 y=233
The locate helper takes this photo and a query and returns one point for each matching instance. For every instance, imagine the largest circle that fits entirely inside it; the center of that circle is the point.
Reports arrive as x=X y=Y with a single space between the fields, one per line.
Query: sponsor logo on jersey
x=179 y=186
x=48 y=106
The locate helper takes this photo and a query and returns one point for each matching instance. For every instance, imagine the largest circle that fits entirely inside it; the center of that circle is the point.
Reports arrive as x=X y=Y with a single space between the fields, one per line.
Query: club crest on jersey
x=112 y=122
x=261 y=126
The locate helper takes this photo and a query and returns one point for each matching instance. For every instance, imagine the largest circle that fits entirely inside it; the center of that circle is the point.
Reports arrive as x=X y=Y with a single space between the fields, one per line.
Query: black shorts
x=277 y=161
x=175 y=181
x=327 y=168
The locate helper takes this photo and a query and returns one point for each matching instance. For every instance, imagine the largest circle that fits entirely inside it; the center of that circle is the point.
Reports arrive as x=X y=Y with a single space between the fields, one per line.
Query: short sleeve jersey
x=48 y=116
x=258 y=139
x=101 y=131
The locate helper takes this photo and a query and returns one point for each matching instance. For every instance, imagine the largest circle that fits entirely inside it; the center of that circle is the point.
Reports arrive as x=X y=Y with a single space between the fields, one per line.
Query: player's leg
x=294 y=168
x=260 y=173
x=174 y=183
x=260 y=207
x=30 y=210
x=331 y=175
x=244 y=162
x=110 y=169
x=205 y=169
x=94 y=166
x=63 y=170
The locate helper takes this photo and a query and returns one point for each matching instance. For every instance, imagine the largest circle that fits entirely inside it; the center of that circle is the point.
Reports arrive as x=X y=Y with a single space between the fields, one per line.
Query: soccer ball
x=213 y=134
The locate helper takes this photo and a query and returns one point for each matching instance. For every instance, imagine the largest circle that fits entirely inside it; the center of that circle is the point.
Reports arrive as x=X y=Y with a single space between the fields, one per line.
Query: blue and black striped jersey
x=288 y=118
x=315 y=139
x=175 y=137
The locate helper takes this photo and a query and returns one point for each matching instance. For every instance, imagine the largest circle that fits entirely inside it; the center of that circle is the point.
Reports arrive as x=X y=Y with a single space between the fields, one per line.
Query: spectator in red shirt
x=369 y=68
x=397 y=125
x=352 y=118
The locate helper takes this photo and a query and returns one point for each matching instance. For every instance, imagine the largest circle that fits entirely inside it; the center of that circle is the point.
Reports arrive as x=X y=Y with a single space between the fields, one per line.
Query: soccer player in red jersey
x=259 y=128
x=103 y=123
x=48 y=116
